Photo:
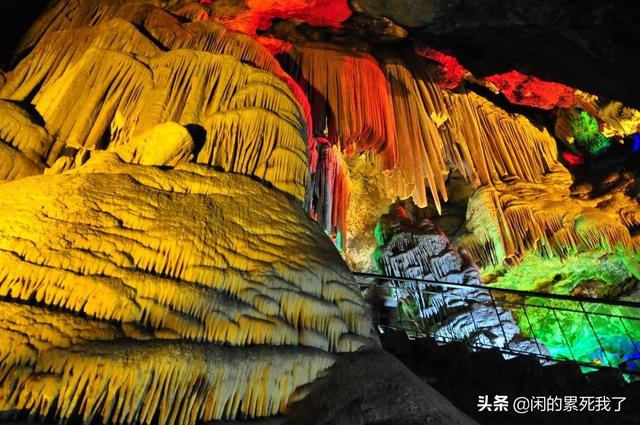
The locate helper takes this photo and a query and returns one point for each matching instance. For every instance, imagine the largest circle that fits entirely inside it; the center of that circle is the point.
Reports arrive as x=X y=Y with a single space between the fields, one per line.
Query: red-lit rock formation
x=349 y=98
x=259 y=14
x=328 y=196
x=527 y=90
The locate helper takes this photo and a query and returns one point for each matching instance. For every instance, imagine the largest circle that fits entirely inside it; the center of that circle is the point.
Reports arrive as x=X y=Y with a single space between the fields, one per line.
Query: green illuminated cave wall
x=562 y=326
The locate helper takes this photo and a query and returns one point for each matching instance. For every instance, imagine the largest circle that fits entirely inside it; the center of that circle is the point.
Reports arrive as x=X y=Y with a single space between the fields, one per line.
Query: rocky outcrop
x=23 y=142
x=582 y=45
x=145 y=276
x=377 y=401
x=553 y=218
x=419 y=250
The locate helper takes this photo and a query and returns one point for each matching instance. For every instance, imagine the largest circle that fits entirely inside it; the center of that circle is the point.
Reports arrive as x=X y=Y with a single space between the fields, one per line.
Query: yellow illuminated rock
x=439 y=129
x=156 y=262
x=166 y=266
x=165 y=144
x=100 y=87
x=511 y=218
x=15 y=165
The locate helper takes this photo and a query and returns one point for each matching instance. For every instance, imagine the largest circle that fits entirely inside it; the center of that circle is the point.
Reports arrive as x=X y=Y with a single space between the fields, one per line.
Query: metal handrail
x=491 y=303
x=621 y=303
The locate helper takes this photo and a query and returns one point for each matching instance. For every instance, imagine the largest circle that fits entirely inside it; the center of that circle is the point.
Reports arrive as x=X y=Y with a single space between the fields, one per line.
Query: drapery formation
x=439 y=129
x=126 y=287
x=436 y=130
x=349 y=98
x=99 y=87
x=550 y=217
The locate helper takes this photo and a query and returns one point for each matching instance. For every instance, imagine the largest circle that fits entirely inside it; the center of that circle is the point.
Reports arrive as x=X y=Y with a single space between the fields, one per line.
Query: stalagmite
x=418 y=249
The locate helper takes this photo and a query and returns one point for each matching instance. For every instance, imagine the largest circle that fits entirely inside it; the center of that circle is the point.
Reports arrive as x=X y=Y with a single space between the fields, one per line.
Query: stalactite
x=592 y=120
x=66 y=31
x=22 y=143
x=68 y=14
x=60 y=50
x=508 y=220
x=328 y=197
x=595 y=229
x=194 y=12
x=215 y=38
x=438 y=129
x=250 y=122
x=349 y=98
x=127 y=382
x=420 y=154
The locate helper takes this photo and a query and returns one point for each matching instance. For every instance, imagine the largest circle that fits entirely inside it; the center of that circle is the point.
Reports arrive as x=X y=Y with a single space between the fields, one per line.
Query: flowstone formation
x=113 y=84
x=414 y=248
x=157 y=264
x=134 y=294
x=175 y=177
x=213 y=302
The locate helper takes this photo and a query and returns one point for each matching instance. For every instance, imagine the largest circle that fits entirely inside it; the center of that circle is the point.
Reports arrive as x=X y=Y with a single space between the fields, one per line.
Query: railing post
x=475 y=324
x=635 y=346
